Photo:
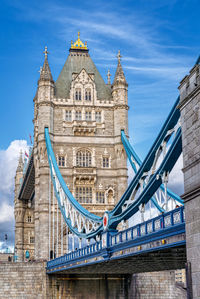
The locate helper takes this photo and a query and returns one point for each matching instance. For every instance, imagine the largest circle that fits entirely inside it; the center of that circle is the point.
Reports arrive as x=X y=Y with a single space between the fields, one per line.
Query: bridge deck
x=158 y=244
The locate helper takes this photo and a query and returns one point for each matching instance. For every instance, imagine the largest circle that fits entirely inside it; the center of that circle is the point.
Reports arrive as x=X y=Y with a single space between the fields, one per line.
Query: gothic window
x=110 y=196
x=98 y=116
x=68 y=115
x=84 y=194
x=106 y=162
x=61 y=161
x=88 y=94
x=88 y=115
x=83 y=159
x=78 y=94
x=29 y=219
x=100 y=197
x=32 y=240
x=78 y=115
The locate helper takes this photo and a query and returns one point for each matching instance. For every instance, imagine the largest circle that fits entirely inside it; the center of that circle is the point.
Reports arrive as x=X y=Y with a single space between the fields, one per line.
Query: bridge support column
x=190 y=121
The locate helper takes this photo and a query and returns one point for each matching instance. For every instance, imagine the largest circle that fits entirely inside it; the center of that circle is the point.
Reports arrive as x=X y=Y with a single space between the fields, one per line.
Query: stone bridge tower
x=190 y=122
x=85 y=117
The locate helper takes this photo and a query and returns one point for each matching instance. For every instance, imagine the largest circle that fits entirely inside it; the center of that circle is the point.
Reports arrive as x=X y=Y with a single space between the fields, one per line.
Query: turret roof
x=119 y=75
x=45 y=73
x=77 y=60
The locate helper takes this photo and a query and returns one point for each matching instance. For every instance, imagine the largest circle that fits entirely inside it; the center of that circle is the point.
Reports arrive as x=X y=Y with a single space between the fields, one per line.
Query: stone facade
x=23 y=280
x=85 y=117
x=26 y=280
x=190 y=120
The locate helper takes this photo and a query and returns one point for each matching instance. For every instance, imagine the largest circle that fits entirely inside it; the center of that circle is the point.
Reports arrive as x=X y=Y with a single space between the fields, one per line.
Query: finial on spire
x=79 y=44
x=119 y=56
x=108 y=76
x=45 y=72
x=46 y=52
x=40 y=70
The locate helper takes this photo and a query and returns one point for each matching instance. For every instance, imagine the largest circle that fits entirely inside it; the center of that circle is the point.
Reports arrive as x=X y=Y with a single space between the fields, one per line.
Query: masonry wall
x=190 y=120
x=29 y=280
x=156 y=285
x=23 y=280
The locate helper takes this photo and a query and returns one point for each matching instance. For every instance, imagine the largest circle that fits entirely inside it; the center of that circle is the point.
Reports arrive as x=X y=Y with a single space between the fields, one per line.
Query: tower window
x=88 y=95
x=98 y=116
x=88 y=115
x=78 y=94
x=100 y=197
x=84 y=194
x=83 y=159
x=68 y=115
x=61 y=161
x=78 y=115
x=32 y=240
x=106 y=162
x=29 y=219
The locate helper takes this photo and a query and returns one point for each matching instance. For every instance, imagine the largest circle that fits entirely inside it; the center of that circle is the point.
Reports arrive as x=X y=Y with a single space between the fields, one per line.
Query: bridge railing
x=156 y=224
x=159 y=223
x=78 y=253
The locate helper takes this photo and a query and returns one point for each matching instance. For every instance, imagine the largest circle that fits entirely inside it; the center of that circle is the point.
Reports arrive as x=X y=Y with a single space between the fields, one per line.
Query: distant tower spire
x=20 y=163
x=45 y=52
x=45 y=72
x=119 y=56
x=108 y=76
x=119 y=75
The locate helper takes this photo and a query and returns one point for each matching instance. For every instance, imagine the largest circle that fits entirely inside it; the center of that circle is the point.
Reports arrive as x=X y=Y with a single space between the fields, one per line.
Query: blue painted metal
x=169 y=124
x=118 y=242
x=117 y=215
x=78 y=207
x=131 y=153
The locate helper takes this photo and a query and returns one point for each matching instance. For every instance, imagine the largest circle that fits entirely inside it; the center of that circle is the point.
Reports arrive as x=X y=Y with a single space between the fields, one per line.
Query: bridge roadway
x=155 y=245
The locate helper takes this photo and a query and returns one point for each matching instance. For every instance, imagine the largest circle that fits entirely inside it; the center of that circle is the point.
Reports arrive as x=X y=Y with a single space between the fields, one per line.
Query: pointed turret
x=119 y=93
x=45 y=72
x=119 y=75
x=44 y=99
x=20 y=163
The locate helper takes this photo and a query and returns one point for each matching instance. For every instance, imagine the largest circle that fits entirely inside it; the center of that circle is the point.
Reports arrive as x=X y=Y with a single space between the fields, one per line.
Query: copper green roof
x=76 y=61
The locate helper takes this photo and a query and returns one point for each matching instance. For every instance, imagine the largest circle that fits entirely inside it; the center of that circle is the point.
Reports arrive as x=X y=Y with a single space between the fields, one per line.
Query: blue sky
x=158 y=39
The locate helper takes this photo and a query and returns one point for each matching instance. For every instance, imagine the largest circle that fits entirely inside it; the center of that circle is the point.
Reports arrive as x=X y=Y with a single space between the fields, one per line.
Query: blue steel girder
x=135 y=160
x=74 y=213
x=155 y=182
x=169 y=124
x=74 y=205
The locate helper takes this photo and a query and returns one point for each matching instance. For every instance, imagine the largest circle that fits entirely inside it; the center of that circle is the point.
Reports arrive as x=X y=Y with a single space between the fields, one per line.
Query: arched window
x=88 y=94
x=78 y=94
x=83 y=159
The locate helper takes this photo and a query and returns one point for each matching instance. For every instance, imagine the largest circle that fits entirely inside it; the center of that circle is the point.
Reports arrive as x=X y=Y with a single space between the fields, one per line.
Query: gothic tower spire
x=119 y=75
x=45 y=73
x=20 y=163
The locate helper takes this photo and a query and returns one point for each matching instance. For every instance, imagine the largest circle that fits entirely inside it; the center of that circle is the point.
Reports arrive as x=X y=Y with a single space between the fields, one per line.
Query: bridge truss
x=148 y=185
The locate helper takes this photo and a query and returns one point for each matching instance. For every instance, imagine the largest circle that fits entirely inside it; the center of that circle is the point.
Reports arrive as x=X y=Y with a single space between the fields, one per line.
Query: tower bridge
x=75 y=182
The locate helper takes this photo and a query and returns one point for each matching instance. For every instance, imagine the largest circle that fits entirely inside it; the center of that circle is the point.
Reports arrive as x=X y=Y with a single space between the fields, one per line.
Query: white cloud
x=176 y=183
x=8 y=164
x=6 y=213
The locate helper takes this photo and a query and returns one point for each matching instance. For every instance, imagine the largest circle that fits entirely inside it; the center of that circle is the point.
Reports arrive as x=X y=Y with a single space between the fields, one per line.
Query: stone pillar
x=190 y=121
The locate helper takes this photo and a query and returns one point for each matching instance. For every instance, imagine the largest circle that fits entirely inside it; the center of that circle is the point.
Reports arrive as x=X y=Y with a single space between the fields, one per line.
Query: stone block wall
x=156 y=285
x=23 y=280
x=190 y=122
x=29 y=280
